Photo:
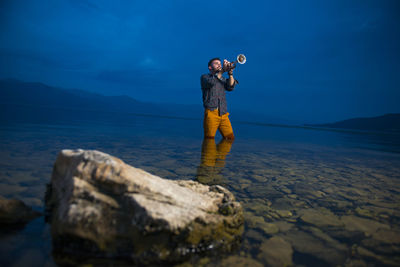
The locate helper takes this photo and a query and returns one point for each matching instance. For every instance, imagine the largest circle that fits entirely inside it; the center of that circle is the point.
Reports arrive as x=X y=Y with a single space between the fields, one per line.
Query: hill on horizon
x=388 y=122
x=32 y=96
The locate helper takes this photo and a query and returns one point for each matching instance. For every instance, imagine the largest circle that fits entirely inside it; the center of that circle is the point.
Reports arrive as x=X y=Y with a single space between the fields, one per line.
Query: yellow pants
x=214 y=122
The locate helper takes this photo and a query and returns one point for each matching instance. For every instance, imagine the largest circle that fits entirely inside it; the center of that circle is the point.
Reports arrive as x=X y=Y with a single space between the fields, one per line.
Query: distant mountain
x=387 y=122
x=31 y=100
x=14 y=93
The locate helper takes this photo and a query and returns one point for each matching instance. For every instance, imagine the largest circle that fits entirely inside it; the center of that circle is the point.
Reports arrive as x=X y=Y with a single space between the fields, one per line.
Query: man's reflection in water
x=212 y=160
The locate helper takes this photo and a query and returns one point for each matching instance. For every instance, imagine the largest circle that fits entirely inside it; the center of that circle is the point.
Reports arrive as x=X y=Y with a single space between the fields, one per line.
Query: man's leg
x=208 y=152
x=225 y=128
x=223 y=149
x=211 y=123
x=207 y=173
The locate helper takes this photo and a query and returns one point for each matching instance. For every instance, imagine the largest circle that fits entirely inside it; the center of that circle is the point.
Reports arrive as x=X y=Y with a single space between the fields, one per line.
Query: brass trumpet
x=241 y=59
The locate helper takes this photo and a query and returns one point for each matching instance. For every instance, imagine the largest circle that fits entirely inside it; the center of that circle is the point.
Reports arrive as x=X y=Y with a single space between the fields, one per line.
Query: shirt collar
x=221 y=79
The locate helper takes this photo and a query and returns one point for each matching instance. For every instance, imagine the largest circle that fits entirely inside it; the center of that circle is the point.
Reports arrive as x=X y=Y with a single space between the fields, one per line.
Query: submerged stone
x=238 y=261
x=284 y=213
x=101 y=207
x=387 y=236
x=276 y=252
x=382 y=261
x=284 y=226
x=364 y=212
x=319 y=218
x=354 y=223
x=15 y=212
x=308 y=244
x=255 y=235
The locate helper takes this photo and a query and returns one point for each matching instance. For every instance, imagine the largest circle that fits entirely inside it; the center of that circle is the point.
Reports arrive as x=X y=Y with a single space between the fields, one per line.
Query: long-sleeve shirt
x=214 y=92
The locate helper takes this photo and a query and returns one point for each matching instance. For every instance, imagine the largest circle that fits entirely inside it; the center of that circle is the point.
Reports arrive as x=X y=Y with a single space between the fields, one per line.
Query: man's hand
x=228 y=66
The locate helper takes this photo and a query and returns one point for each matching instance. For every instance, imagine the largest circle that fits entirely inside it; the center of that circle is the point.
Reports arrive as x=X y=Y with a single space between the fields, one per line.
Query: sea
x=311 y=197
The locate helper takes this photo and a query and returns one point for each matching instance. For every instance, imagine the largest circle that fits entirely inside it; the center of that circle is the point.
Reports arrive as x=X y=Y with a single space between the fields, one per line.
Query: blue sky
x=310 y=61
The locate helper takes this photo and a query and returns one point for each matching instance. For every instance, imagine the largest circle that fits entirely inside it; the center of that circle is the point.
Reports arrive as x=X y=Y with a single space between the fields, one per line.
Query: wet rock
x=260 y=191
x=284 y=213
x=276 y=252
x=384 y=216
x=317 y=193
x=244 y=181
x=286 y=190
x=284 y=226
x=364 y=212
x=101 y=207
x=355 y=263
x=387 y=236
x=238 y=261
x=203 y=262
x=327 y=238
x=260 y=223
x=308 y=244
x=384 y=211
x=14 y=211
x=319 y=218
x=254 y=235
x=259 y=178
x=283 y=204
x=354 y=223
x=270 y=228
x=365 y=253
x=257 y=207
x=381 y=247
x=346 y=236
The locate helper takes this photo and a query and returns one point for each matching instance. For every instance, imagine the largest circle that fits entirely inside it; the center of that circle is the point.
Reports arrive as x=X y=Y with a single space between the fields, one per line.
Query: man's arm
x=230 y=82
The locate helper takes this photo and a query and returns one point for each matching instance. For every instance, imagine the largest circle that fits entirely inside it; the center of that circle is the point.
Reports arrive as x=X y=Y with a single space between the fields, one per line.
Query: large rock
x=101 y=207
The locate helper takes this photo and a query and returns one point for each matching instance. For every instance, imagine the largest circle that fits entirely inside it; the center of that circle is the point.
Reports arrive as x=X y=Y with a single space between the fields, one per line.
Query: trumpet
x=241 y=59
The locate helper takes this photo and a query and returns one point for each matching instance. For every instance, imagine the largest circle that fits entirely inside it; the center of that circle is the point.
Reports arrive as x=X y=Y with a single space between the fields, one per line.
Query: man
x=213 y=86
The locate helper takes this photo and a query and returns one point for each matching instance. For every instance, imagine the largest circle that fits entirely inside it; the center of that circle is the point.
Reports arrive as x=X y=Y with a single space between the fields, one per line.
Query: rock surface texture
x=99 y=206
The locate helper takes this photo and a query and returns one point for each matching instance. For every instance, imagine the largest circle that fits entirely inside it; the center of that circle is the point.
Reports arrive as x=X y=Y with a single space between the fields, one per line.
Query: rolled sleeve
x=228 y=87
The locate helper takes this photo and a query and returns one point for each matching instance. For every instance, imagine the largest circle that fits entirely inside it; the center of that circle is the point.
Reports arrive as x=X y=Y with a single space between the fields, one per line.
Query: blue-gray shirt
x=214 y=92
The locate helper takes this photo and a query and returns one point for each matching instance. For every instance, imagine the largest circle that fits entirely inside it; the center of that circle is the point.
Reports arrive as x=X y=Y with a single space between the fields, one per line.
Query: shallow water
x=311 y=197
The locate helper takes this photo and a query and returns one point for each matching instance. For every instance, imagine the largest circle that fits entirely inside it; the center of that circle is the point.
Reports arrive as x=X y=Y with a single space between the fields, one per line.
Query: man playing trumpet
x=213 y=86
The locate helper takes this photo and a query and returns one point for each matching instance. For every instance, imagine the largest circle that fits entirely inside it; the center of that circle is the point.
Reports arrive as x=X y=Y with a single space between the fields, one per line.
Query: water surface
x=311 y=197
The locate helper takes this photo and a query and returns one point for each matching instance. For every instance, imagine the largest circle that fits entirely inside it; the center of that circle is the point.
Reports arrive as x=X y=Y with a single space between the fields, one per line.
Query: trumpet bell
x=241 y=59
